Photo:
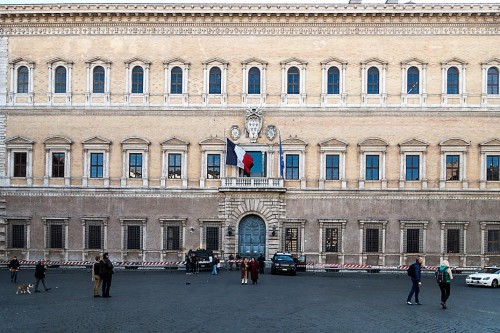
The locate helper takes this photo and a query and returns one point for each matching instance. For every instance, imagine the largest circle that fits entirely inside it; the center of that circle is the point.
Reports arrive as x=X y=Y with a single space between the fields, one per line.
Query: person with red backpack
x=414 y=273
x=443 y=278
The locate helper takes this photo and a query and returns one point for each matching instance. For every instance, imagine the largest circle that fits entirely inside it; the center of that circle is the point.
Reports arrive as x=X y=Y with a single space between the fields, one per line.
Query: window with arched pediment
x=452 y=81
x=333 y=81
x=176 y=80
x=492 y=81
x=413 y=81
x=373 y=81
x=254 y=81
x=60 y=80
x=214 y=80
x=98 y=80
x=293 y=81
x=22 y=80
x=137 y=80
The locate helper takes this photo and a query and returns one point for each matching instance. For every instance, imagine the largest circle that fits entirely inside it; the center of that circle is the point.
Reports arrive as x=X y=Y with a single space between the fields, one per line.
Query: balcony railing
x=250 y=183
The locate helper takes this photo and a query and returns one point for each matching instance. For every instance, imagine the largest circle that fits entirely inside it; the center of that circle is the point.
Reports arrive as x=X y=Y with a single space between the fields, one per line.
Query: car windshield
x=489 y=270
x=283 y=258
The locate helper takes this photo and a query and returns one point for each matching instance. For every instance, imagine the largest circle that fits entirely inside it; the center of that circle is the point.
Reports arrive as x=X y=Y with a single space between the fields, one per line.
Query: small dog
x=24 y=288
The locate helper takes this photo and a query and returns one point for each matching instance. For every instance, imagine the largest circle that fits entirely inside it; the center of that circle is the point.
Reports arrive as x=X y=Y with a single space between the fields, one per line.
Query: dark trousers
x=445 y=291
x=415 y=289
x=106 y=284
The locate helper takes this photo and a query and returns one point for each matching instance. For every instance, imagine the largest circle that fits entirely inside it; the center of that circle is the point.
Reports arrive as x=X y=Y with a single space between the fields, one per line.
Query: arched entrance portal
x=252 y=236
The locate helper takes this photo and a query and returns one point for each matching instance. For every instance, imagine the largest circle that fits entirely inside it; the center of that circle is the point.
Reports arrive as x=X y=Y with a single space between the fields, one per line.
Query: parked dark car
x=301 y=263
x=202 y=259
x=283 y=263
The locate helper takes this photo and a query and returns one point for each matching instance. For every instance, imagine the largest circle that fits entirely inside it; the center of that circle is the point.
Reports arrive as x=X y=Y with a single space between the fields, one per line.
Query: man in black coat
x=106 y=273
x=40 y=270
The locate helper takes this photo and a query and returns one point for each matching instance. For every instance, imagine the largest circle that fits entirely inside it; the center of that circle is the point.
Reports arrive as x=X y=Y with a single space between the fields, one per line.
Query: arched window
x=22 y=80
x=98 y=80
x=137 y=80
x=293 y=81
x=333 y=80
x=60 y=80
x=176 y=80
x=254 y=81
x=412 y=80
x=452 y=81
x=214 y=81
x=373 y=81
x=493 y=81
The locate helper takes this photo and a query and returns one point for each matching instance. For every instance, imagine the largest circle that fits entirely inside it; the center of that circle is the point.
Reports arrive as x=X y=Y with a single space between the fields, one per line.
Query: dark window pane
x=292 y=166
x=22 y=80
x=332 y=167
x=259 y=166
x=137 y=80
x=60 y=80
x=174 y=166
x=173 y=237
x=493 y=81
x=492 y=167
x=372 y=240
x=135 y=165
x=494 y=241
x=214 y=83
x=254 y=81
x=58 y=165
x=134 y=237
x=56 y=236
x=20 y=164
x=18 y=238
x=332 y=240
x=213 y=166
x=95 y=237
x=452 y=167
x=413 y=240
x=96 y=165
x=372 y=167
x=412 y=81
x=293 y=81
x=453 y=241
x=212 y=238
x=333 y=80
x=452 y=81
x=373 y=81
x=291 y=239
x=98 y=80
x=412 y=167
x=176 y=80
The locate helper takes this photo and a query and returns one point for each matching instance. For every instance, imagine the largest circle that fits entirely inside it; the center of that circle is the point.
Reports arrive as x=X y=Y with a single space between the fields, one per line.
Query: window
x=452 y=167
x=137 y=80
x=492 y=167
x=58 y=160
x=214 y=81
x=96 y=165
x=292 y=166
x=452 y=81
x=173 y=237
x=254 y=81
x=454 y=235
x=332 y=240
x=212 y=238
x=412 y=167
x=493 y=242
x=172 y=230
x=22 y=80
x=213 y=166
x=60 y=80
x=134 y=237
x=259 y=166
x=333 y=81
x=372 y=240
x=332 y=167
x=372 y=167
x=291 y=239
x=453 y=241
x=55 y=233
x=176 y=80
x=373 y=235
x=373 y=81
x=135 y=165
x=293 y=81
x=174 y=166
x=413 y=240
x=413 y=236
x=493 y=81
x=412 y=81
x=17 y=233
x=98 y=80
x=20 y=164
x=94 y=233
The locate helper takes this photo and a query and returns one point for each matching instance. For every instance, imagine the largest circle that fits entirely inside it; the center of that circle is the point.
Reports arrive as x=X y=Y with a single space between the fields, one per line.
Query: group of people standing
x=443 y=276
x=102 y=273
x=250 y=268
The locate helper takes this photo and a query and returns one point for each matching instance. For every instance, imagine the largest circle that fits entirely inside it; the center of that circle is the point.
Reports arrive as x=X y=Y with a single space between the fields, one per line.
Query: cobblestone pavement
x=163 y=301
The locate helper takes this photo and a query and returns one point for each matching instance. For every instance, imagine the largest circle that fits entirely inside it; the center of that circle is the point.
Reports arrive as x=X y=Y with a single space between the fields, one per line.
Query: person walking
x=244 y=271
x=40 y=270
x=106 y=274
x=215 y=262
x=254 y=268
x=262 y=263
x=231 y=262
x=96 y=275
x=414 y=273
x=443 y=278
x=14 y=268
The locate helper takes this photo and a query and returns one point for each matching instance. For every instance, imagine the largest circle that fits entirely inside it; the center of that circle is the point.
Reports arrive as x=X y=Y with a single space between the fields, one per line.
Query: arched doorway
x=252 y=236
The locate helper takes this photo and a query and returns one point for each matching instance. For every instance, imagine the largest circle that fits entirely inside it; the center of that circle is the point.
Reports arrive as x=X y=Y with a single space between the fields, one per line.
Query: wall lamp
x=274 y=230
x=229 y=230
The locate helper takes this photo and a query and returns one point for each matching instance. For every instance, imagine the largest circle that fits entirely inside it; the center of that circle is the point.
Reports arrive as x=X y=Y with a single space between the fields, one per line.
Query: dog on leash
x=24 y=288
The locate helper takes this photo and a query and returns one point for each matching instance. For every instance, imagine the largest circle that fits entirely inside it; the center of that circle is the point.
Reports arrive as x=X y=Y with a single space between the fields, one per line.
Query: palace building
x=114 y=120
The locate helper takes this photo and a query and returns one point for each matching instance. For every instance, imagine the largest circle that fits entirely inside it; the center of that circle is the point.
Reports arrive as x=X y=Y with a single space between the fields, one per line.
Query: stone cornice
x=246 y=19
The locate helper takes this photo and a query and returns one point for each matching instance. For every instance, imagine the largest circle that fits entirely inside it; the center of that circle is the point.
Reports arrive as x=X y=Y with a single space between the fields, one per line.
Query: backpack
x=440 y=275
x=411 y=270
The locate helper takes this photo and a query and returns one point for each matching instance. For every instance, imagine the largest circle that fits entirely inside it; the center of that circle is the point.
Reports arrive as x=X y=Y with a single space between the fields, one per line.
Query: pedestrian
x=231 y=261
x=414 y=273
x=40 y=270
x=443 y=278
x=188 y=262
x=244 y=271
x=96 y=269
x=14 y=268
x=106 y=274
x=254 y=268
x=214 y=263
x=194 y=264
x=262 y=263
x=238 y=261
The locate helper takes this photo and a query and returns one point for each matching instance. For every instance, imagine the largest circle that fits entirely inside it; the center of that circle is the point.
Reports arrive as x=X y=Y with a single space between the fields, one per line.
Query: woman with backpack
x=443 y=278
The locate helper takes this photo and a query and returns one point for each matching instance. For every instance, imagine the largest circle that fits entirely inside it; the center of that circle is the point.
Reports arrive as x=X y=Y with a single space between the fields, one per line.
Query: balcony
x=252 y=184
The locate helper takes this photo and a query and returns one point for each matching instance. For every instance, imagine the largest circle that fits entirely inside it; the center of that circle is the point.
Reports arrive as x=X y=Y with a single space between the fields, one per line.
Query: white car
x=489 y=277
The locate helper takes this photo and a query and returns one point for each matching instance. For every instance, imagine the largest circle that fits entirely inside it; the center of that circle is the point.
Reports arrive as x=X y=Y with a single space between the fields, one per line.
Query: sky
x=3 y=2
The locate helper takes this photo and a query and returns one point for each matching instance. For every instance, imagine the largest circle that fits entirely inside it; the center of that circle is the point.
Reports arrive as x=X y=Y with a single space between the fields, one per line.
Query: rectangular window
x=291 y=239
x=17 y=236
x=176 y=81
x=492 y=171
x=372 y=167
x=452 y=167
x=58 y=165
x=331 y=240
x=133 y=237
x=135 y=165
x=60 y=81
x=292 y=166
x=453 y=241
x=372 y=240
x=332 y=167
x=173 y=237
x=212 y=238
x=413 y=240
x=213 y=166
x=20 y=160
x=56 y=236
x=259 y=166
x=493 y=242
x=94 y=237
x=96 y=165
x=174 y=166
x=412 y=167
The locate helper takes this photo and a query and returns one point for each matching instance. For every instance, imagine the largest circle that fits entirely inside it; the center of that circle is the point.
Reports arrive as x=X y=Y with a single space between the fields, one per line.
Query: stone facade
x=114 y=118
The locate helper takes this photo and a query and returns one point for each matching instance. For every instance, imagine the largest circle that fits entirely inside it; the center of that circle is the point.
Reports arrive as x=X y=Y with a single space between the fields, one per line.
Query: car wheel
x=494 y=284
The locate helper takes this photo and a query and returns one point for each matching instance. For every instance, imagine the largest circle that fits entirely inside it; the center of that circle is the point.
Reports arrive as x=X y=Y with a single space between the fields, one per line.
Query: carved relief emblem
x=271 y=132
x=235 y=132
x=253 y=123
